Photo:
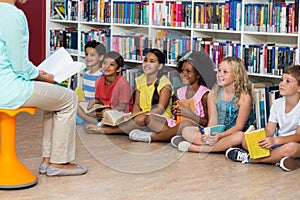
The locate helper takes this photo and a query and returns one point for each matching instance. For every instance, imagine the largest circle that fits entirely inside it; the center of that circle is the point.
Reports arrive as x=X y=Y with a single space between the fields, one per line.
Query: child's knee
x=140 y=120
x=292 y=149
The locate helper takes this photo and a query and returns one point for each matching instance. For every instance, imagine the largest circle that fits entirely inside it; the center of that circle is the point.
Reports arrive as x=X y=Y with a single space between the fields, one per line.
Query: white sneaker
x=289 y=164
x=184 y=146
x=141 y=136
x=176 y=140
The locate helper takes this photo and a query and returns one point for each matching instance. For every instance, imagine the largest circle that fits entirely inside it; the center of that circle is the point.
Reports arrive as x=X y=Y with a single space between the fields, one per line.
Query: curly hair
x=239 y=72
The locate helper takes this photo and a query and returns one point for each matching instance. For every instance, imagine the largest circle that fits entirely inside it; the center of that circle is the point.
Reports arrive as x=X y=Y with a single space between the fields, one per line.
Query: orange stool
x=13 y=174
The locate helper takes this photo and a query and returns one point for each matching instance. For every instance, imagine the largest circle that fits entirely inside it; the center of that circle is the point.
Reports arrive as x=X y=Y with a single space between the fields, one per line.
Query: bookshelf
x=248 y=29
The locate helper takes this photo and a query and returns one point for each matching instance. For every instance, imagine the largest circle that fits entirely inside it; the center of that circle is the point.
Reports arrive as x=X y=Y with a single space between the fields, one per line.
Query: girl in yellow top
x=154 y=90
x=153 y=95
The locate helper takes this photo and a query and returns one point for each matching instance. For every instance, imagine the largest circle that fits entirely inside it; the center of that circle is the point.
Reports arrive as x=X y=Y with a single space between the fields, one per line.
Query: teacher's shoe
x=55 y=171
x=43 y=168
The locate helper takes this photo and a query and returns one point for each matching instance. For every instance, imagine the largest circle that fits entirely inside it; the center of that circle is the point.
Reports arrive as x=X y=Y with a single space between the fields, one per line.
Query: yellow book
x=252 y=137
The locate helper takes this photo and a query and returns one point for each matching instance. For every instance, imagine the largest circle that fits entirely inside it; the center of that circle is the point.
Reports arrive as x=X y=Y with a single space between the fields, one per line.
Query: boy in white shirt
x=284 y=113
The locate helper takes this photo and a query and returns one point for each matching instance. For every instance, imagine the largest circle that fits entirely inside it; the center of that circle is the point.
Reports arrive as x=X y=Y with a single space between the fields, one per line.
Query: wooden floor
x=121 y=169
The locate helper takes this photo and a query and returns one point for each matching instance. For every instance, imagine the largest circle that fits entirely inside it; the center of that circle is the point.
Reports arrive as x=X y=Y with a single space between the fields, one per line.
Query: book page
x=61 y=65
x=84 y=106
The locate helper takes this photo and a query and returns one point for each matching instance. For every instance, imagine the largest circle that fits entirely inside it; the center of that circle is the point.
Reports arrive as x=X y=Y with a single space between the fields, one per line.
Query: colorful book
x=212 y=130
x=252 y=137
x=187 y=103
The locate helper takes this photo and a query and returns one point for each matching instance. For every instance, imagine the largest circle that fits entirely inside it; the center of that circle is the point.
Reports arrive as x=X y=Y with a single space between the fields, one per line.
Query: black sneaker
x=289 y=164
x=237 y=155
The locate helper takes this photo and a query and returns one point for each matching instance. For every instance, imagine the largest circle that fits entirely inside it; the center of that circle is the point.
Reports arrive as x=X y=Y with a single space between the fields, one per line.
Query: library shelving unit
x=264 y=33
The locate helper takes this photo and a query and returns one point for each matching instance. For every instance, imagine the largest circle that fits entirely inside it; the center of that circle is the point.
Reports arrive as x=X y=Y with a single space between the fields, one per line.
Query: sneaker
x=176 y=140
x=141 y=136
x=237 y=155
x=289 y=164
x=184 y=146
x=43 y=168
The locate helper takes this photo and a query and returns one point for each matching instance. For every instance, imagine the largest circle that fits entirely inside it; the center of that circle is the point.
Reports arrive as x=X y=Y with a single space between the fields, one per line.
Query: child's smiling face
x=188 y=74
x=110 y=67
x=224 y=75
x=92 y=58
x=150 y=64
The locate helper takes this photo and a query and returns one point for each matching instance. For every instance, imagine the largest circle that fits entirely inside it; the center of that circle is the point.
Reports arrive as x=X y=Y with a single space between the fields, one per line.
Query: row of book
x=268 y=58
x=172 y=13
x=95 y=11
x=102 y=35
x=258 y=58
x=131 y=12
x=272 y=17
x=226 y=15
x=64 y=9
x=264 y=94
x=218 y=15
x=67 y=37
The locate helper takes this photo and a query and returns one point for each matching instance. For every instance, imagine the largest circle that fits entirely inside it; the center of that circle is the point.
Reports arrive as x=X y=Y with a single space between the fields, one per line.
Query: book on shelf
x=58 y=9
x=61 y=65
x=211 y=130
x=115 y=117
x=252 y=137
x=271 y=93
x=188 y=103
x=95 y=107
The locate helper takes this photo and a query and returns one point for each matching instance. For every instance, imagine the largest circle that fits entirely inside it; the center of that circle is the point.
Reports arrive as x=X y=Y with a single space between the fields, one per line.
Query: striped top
x=89 y=81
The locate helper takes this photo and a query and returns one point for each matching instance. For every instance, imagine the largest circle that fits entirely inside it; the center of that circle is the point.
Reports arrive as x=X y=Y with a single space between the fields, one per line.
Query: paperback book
x=212 y=130
x=188 y=103
x=61 y=65
x=252 y=137
x=115 y=117
x=96 y=107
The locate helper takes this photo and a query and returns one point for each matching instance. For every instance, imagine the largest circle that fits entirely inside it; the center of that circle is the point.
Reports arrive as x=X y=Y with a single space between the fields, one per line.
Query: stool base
x=18 y=178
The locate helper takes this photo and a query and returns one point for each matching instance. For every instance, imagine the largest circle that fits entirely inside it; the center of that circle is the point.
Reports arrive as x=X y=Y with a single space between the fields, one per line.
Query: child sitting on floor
x=229 y=104
x=195 y=89
x=94 y=54
x=285 y=113
x=111 y=89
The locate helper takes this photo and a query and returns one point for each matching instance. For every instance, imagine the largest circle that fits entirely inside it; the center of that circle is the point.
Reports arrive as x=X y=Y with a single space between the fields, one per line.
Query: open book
x=188 y=103
x=84 y=106
x=252 y=137
x=211 y=130
x=114 y=117
x=61 y=65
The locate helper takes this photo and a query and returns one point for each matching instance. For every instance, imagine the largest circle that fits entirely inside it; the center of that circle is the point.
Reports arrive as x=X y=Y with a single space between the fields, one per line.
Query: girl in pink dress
x=195 y=90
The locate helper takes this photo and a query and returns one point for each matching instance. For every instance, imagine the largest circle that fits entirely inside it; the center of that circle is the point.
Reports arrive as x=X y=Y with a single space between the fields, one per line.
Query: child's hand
x=212 y=139
x=186 y=111
x=267 y=142
x=91 y=103
x=176 y=108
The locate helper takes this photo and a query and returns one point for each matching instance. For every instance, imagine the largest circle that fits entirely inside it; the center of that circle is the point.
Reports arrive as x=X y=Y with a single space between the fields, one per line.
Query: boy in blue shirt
x=94 y=52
